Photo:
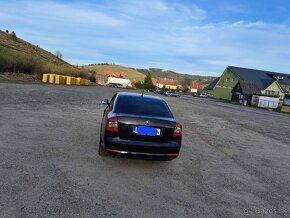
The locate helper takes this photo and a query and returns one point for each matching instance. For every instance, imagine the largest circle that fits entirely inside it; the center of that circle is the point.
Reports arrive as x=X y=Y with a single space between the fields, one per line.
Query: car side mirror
x=105 y=101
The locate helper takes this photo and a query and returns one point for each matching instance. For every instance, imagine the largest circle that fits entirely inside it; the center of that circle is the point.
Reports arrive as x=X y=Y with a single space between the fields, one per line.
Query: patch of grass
x=131 y=74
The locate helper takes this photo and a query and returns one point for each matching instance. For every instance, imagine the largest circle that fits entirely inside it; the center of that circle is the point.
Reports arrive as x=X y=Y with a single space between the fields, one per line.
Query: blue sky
x=191 y=36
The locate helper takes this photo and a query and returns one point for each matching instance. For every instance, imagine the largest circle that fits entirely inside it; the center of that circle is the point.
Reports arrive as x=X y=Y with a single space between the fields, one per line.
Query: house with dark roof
x=211 y=86
x=271 y=83
x=244 y=90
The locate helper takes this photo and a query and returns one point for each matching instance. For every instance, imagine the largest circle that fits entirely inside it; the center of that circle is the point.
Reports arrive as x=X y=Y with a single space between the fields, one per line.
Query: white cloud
x=234 y=41
x=135 y=9
x=189 y=12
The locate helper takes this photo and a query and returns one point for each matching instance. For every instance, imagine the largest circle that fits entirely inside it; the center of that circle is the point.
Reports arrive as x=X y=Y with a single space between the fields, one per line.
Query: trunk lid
x=127 y=127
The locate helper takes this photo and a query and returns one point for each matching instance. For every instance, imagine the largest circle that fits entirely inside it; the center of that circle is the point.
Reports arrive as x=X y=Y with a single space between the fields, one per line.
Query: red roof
x=115 y=74
x=154 y=81
x=123 y=75
x=167 y=81
x=195 y=85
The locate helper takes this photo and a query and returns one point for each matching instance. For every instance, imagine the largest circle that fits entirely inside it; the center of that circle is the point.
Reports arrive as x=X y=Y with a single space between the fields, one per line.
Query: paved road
x=235 y=160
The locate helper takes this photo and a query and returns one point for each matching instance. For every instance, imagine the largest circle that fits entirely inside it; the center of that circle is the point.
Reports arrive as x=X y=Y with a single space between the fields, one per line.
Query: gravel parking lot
x=234 y=162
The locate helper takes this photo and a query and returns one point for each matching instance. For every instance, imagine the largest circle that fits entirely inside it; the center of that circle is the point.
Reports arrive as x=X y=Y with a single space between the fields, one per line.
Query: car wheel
x=102 y=151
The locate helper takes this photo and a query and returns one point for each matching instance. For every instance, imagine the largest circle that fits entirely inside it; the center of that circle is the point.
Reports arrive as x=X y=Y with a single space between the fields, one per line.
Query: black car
x=195 y=94
x=159 y=91
x=172 y=94
x=139 y=125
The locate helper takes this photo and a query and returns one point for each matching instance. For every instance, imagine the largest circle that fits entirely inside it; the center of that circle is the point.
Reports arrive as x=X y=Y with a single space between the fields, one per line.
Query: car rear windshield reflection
x=142 y=106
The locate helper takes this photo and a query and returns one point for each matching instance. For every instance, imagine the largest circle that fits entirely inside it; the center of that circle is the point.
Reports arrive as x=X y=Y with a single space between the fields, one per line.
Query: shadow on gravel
x=121 y=162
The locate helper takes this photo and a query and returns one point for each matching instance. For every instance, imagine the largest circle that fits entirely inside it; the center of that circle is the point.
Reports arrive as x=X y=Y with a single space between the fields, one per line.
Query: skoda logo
x=147 y=122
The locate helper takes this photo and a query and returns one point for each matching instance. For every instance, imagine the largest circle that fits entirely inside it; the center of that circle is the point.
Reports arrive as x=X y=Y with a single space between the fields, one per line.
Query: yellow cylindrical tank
x=73 y=80
x=57 y=79
x=78 y=81
x=85 y=82
x=51 y=78
x=68 y=80
x=63 y=79
x=45 y=78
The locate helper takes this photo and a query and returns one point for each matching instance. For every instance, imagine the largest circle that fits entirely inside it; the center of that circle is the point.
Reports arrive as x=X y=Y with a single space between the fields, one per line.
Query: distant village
x=258 y=88
x=159 y=83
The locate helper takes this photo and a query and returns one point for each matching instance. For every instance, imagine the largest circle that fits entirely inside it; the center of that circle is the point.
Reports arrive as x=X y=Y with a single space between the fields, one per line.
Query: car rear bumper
x=142 y=155
x=143 y=149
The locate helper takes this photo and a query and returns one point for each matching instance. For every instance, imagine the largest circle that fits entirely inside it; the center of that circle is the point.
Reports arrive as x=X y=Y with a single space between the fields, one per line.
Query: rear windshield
x=142 y=106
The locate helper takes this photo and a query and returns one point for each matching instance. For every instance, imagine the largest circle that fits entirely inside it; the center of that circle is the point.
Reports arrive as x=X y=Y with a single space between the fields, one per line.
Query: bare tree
x=58 y=54
x=13 y=34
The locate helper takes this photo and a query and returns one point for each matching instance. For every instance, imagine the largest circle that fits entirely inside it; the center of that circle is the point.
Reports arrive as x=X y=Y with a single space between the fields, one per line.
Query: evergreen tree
x=148 y=82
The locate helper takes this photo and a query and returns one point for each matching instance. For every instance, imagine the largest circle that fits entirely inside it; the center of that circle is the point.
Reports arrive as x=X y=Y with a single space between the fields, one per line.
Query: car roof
x=139 y=95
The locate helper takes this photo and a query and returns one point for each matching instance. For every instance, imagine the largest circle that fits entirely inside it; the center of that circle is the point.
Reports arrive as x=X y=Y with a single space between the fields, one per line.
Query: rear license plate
x=145 y=130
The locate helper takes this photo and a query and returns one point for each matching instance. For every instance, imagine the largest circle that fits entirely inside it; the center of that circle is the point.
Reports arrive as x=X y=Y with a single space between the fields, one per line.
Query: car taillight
x=112 y=124
x=178 y=130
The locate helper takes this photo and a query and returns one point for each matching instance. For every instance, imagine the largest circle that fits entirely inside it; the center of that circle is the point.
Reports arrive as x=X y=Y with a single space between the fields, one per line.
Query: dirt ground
x=20 y=77
x=234 y=161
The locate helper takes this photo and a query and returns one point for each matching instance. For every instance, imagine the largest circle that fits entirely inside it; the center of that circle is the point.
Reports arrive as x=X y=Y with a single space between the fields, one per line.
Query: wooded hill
x=160 y=73
x=139 y=74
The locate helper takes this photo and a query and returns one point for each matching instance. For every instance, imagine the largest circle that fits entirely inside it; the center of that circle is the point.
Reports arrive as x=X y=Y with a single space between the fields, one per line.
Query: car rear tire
x=102 y=151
